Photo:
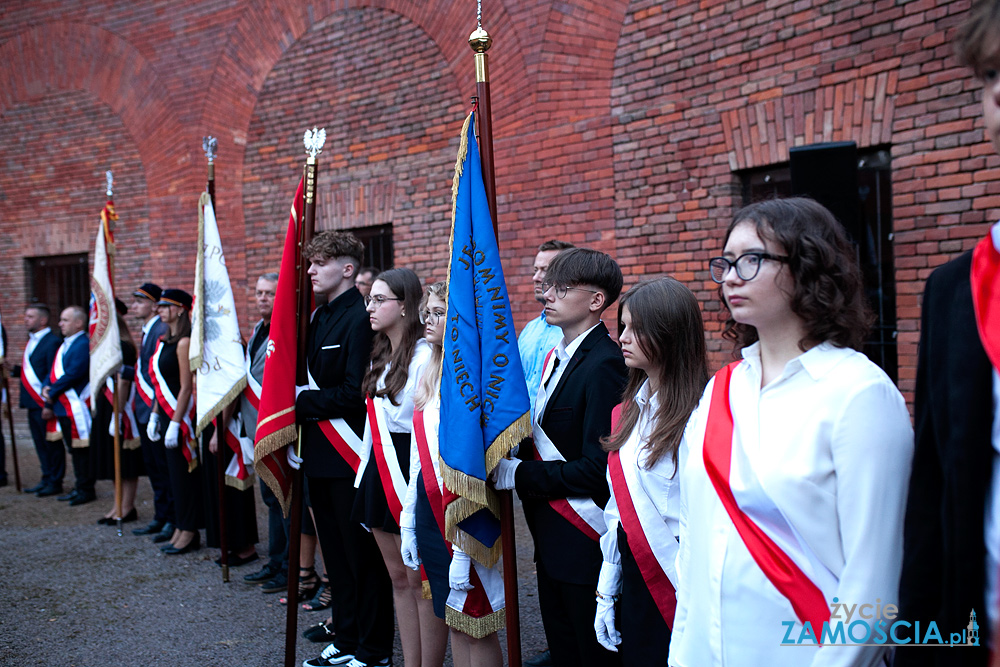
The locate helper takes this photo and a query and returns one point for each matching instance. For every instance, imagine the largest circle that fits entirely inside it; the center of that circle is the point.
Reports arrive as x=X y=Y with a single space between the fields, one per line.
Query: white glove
x=111 y=427
x=153 y=428
x=172 y=438
x=604 y=624
x=503 y=474
x=609 y=585
x=458 y=572
x=294 y=461
x=408 y=547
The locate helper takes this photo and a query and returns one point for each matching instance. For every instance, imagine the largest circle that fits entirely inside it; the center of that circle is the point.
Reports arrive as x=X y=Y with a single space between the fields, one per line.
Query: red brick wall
x=619 y=125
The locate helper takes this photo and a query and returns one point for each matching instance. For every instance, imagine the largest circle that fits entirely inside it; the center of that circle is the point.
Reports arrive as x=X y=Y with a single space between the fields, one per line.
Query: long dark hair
x=668 y=327
x=828 y=290
x=183 y=331
x=404 y=285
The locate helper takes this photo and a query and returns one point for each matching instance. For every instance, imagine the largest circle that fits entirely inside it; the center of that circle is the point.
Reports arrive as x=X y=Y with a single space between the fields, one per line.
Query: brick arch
x=60 y=56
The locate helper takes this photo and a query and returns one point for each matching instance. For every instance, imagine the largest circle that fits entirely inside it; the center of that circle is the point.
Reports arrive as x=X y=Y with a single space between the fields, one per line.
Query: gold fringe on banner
x=79 y=443
x=198 y=336
x=53 y=437
x=132 y=444
x=425 y=590
x=508 y=440
x=269 y=446
x=474 y=627
x=240 y=484
x=223 y=403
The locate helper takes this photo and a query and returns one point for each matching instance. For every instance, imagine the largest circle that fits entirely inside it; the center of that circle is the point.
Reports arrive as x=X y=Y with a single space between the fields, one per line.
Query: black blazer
x=944 y=551
x=41 y=361
x=339 y=352
x=577 y=416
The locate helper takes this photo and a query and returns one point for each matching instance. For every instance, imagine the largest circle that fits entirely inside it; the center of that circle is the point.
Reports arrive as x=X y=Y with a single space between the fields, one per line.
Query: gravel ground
x=73 y=594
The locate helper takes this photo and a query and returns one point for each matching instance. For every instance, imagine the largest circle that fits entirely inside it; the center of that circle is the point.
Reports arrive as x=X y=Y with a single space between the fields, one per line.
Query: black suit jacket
x=944 y=551
x=576 y=417
x=339 y=352
x=41 y=361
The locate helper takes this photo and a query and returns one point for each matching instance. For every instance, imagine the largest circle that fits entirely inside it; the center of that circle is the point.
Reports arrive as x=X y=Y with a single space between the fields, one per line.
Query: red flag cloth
x=108 y=218
x=276 y=417
x=985 y=280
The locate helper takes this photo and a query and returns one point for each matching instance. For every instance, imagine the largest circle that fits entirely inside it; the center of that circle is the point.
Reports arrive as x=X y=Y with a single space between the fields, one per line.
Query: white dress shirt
x=33 y=340
x=659 y=483
x=823 y=452
x=399 y=418
x=563 y=352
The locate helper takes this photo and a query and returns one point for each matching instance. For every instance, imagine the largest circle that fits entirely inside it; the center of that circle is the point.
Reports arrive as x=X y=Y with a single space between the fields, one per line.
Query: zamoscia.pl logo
x=875 y=625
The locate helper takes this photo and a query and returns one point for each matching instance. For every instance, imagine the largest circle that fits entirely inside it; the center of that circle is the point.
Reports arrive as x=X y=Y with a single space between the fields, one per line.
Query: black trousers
x=277 y=529
x=51 y=455
x=568 y=612
x=645 y=635
x=154 y=455
x=362 y=591
x=81 y=459
x=186 y=490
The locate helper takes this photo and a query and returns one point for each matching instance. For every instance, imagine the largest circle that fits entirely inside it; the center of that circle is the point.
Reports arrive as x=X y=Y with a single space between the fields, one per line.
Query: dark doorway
x=59 y=281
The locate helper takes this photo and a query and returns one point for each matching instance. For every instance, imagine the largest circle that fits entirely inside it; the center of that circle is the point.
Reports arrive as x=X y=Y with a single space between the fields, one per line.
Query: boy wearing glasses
x=560 y=477
x=332 y=413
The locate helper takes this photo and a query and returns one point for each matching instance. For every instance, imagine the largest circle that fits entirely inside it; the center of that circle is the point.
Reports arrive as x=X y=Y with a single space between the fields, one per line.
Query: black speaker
x=829 y=174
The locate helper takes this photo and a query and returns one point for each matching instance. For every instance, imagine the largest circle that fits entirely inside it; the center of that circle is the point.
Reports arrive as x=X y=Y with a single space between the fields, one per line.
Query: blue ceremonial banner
x=484 y=399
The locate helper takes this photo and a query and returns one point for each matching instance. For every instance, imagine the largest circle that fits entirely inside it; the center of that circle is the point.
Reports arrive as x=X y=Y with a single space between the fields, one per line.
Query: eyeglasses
x=747 y=265
x=379 y=300
x=433 y=316
x=562 y=290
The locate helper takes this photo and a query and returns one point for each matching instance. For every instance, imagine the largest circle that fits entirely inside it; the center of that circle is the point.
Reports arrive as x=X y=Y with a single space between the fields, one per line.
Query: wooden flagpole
x=210 y=145
x=480 y=41
x=116 y=393
x=10 y=422
x=314 y=141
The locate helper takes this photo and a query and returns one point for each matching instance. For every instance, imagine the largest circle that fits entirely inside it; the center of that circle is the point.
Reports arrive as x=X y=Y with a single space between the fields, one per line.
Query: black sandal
x=323 y=598
x=307 y=584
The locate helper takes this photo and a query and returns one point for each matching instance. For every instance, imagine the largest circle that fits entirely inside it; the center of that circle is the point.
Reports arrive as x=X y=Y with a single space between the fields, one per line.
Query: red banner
x=276 y=417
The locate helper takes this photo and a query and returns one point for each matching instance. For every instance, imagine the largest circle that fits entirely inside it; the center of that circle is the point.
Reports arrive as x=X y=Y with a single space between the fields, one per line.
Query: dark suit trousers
x=154 y=455
x=81 y=459
x=362 y=591
x=51 y=455
x=568 y=612
x=277 y=529
x=3 y=455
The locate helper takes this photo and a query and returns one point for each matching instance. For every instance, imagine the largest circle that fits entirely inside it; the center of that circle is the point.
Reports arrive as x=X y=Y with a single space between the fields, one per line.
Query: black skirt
x=433 y=551
x=370 y=506
x=241 y=515
x=645 y=635
x=102 y=446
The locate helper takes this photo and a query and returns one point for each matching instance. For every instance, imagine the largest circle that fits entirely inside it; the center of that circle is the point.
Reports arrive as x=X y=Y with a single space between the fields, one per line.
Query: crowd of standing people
x=678 y=517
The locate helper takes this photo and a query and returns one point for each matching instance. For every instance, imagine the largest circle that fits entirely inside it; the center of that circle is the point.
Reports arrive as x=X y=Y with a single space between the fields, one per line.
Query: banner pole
x=480 y=41
x=314 y=144
x=10 y=422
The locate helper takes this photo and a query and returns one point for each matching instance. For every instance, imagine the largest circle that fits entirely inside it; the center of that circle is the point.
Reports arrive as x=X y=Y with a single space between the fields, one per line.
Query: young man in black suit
x=39 y=353
x=951 y=539
x=339 y=351
x=560 y=477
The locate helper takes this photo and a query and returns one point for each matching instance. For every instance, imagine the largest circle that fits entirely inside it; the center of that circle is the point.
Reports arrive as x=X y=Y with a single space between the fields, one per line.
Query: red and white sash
x=805 y=596
x=347 y=443
x=30 y=380
x=76 y=404
x=239 y=472
x=478 y=612
x=144 y=390
x=641 y=520
x=168 y=403
x=582 y=512
x=253 y=388
x=129 y=432
x=378 y=443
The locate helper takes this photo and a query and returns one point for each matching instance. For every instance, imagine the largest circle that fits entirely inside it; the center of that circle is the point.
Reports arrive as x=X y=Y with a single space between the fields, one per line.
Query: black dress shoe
x=319 y=633
x=237 y=561
x=105 y=521
x=266 y=573
x=83 y=499
x=153 y=528
x=35 y=489
x=128 y=518
x=193 y=545
x=543 y=659
x=68 y=496
x=165 y=534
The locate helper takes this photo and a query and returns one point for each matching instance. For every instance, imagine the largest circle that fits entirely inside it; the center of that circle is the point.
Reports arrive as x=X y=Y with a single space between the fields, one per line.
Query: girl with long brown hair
x=663 y=341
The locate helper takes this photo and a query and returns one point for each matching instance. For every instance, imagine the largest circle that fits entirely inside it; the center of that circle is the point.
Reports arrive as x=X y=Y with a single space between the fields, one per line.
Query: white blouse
x=659 y=483
x=823 y=453
x=399 y=418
